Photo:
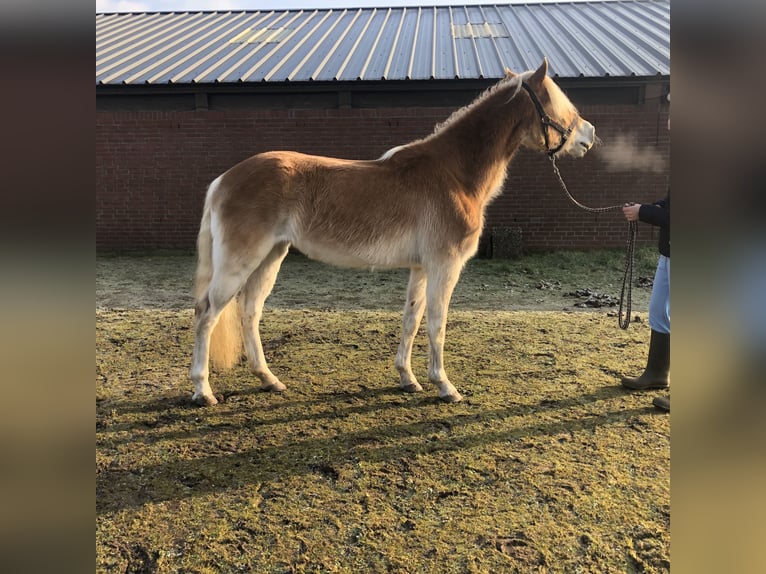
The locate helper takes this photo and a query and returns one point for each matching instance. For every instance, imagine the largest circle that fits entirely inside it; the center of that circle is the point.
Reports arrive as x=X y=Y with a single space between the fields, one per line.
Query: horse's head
x=559 y=129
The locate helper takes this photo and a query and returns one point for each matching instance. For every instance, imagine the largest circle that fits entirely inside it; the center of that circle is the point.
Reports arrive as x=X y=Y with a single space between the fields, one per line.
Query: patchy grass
x=534 y=282
x=546 y=466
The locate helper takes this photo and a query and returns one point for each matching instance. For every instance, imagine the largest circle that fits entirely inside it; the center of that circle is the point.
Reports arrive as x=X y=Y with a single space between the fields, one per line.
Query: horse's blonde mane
x=560 y=104
x=508 y=82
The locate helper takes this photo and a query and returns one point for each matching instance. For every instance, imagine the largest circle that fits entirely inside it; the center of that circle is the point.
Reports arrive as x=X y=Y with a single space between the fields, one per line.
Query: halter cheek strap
x=547 y=121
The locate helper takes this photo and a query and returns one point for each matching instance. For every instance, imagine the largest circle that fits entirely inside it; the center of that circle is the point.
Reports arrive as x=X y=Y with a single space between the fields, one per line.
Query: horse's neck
x=481 y=143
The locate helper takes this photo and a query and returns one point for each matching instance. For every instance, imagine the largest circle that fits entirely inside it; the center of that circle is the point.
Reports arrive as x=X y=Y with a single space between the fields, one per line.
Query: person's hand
x=631 y=211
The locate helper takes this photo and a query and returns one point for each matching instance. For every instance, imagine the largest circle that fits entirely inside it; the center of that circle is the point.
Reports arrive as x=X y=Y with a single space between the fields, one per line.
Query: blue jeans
x=659 y=305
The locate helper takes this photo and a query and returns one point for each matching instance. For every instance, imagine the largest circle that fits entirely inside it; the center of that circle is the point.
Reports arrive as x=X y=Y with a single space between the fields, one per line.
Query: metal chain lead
x=626 y=294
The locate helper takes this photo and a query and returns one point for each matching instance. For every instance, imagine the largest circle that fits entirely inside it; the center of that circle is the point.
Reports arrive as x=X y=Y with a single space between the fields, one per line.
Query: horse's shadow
x=175 y=409
x=118 y=487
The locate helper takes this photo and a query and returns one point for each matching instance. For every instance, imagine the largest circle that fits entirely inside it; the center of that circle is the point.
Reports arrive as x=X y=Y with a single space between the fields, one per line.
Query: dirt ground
x=548 y=465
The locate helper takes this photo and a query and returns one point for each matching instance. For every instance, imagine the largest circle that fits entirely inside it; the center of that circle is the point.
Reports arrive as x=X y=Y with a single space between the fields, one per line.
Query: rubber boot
x=657 y=372
x=662 y=403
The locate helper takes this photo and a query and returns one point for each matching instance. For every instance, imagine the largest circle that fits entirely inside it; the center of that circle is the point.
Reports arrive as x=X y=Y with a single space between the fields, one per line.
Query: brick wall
x=152 y=169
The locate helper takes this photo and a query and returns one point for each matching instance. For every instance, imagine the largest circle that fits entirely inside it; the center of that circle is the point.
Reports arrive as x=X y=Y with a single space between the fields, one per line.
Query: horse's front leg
x=441 y=283
x=413 y=313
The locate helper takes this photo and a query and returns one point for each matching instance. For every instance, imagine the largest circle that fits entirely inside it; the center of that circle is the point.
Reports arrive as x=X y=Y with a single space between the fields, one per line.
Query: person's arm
x=655 y=214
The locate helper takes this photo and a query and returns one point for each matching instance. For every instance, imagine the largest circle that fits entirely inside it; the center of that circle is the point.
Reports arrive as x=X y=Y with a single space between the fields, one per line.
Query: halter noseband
x=546 y=120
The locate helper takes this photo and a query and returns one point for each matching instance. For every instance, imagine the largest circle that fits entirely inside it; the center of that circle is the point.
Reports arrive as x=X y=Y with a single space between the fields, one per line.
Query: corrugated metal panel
x=580 y=39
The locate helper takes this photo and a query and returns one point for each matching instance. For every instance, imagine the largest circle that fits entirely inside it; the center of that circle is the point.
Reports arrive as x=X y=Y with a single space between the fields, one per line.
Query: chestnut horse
x=420 y=206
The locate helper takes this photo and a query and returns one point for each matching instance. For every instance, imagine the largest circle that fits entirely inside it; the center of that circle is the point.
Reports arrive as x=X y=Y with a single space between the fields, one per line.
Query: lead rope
x=626 y=294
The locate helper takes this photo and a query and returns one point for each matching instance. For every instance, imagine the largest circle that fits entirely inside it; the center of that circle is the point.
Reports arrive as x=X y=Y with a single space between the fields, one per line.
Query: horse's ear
x=540 y=73
x=508 y=73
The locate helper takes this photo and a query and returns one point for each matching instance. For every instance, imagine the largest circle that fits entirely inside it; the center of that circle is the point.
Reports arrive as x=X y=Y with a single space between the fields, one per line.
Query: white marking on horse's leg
x=441 y=282
x=413 y=313
x=255 y=292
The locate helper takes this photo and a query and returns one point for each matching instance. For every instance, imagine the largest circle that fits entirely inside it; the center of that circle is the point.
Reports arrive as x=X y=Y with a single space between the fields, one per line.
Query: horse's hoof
x=275 y=387
x=451 y=396
x=412 y=388
x=448 y=393
x=204 y=400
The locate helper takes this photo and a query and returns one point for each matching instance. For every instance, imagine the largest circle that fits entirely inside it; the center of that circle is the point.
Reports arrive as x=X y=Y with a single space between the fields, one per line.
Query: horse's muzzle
x=582 y=140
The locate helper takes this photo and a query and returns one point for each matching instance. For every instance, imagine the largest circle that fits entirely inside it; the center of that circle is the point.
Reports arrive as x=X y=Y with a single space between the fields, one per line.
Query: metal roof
x=581 y=39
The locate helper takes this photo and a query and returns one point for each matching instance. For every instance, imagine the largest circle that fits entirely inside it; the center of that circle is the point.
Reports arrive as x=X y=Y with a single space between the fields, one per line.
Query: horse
x=419 y=206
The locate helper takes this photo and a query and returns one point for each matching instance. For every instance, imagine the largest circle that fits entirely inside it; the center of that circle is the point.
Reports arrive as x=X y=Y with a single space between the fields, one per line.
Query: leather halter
x=546 y=120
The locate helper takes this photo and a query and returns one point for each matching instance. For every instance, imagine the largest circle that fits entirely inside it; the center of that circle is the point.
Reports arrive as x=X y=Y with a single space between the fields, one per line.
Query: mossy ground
x=548 y=465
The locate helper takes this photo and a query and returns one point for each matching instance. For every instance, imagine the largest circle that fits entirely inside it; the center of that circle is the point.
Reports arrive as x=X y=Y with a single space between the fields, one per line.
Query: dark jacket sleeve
x=657 y=213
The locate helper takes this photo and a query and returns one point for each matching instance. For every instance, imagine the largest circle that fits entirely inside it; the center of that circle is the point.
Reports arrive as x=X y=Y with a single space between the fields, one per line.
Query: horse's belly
x=376 y=255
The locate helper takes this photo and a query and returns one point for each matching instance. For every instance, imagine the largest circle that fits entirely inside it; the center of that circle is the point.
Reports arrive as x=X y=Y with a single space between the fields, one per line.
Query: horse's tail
x=226 y=338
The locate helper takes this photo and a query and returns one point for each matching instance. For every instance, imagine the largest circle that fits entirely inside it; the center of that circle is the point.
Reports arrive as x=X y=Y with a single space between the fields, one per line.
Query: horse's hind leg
x=254 y=294
x=413 y=313
x=223 y=288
